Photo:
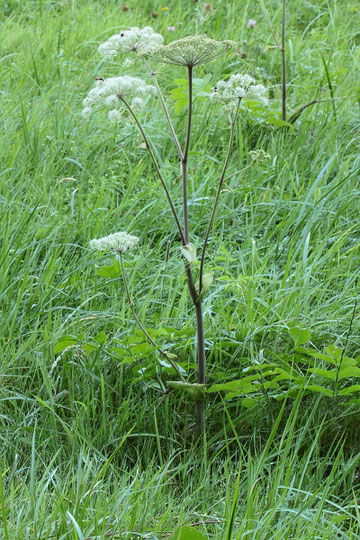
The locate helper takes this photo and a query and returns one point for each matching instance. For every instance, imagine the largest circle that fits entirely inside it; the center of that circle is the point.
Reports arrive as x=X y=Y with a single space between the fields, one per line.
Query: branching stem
x=220 y=183
x=171 y=127
x=148 y=146
x=144 y=331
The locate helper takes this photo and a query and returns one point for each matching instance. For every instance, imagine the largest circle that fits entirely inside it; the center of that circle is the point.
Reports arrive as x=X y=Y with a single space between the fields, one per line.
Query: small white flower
x=137 y=103
x=115 y=116
x=251 y=23
x=134 y=39
x=239 y=86
x=87 y=112
x=128 y=62
x=109 y=92
x=119 y=242
x=112 y=101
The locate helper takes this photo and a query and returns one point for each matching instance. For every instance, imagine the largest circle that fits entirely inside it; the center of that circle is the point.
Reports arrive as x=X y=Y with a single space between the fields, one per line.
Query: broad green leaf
x=195 y=391
x=187 y=533
x=248 y=402
x=334 y=351
x=300 y=335
x=229 y=386
x=189 y=252
x=320 y=389
x=65 y=342
x=141 y=348
x=350 y=371
x=350 y=390
x=111 y=272
x=101 y=338
x=315 y=354
x=326 y=373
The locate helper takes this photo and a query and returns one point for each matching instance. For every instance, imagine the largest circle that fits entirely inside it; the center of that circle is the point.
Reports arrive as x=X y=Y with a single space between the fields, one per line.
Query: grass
x=91 y=448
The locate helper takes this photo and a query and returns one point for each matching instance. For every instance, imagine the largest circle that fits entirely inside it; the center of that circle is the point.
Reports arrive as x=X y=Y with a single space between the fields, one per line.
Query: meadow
x=94 y=443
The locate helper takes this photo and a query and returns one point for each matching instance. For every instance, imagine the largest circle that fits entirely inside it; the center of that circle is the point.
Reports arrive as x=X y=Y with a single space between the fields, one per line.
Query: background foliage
x=91 y=447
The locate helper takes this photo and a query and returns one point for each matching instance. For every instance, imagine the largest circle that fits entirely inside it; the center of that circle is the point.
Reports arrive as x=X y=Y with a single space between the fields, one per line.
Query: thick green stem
x=220 y=183
x=144 y=331
x=184 y=160
x=148 y=146
x=283 y=64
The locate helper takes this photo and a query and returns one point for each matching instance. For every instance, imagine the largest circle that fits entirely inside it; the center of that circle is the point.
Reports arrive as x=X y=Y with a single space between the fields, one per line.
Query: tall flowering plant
x=124 y=97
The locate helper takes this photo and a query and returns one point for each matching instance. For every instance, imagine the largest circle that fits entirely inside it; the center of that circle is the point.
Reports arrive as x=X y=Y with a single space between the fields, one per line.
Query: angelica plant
x=124 y=96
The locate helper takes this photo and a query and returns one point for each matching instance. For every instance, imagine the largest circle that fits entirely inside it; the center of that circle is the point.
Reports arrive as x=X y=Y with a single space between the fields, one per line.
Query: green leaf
x=195 y=391
x=111 y=272
x=300 y=335
x=187 y=533
x=350 y=371
x=189 y=252
x=101 y=338
x=320 y=389
x=350 y=390
x=206 y=283
x=315 y=354
x=65 y=342
x=248 y=402
x=326 y=373
x=229 y=386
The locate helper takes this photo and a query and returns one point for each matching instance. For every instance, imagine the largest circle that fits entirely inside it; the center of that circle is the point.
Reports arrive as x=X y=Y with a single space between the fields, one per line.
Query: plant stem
x=173 y=133
x=148 y=146
x=147 y=335
x=283 y=64
x=220 y=183
x=201 y=375
x=184 y=159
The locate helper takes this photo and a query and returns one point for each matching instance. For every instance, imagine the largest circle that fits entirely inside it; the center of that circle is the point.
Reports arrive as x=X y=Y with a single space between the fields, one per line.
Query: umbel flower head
x=132 y=40
x=259 y=156
x=239 y=86
x=109 y=92
x=118 y=242
x=190 y=51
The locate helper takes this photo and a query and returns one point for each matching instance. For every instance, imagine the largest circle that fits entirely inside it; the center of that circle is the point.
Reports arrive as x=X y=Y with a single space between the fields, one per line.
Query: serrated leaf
x=187 y=533
x=189 y=252
x=300 y=335
x=64 y=343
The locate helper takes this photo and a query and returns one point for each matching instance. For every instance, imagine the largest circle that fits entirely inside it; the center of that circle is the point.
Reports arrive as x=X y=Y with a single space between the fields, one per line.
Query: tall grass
x=91 y=449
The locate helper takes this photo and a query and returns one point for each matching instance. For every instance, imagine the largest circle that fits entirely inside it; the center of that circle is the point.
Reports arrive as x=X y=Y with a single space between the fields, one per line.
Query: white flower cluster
x=109 y=91
x=134 y=39
x=190 y=51
x=259 y=156
x=239 y=86
x=119 y=242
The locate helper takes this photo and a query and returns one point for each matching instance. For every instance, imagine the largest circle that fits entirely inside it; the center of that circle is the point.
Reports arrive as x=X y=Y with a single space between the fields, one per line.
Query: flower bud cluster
x=239 y=86
x=119 y=242
x=134 y=39
x=109 y=92
x=259 y=156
